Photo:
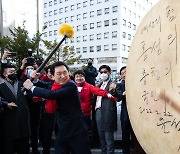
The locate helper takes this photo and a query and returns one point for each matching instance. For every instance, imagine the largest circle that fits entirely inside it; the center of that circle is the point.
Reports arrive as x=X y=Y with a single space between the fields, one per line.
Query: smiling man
x=64 y=99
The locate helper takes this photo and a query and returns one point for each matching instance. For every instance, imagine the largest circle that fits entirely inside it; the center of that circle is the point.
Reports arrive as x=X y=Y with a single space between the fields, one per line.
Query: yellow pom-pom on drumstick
x=66 y=30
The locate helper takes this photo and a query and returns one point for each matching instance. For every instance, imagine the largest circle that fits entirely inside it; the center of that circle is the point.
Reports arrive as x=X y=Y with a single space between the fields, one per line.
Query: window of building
x=55 y=22
x=106 y=10
x=55 y=2
x=114 y=34
x=106 y=23
x=72 y=18
x=91 y=48
x=85 y=4
x=114 y=9
x=128 y=48
x=98 y=36
x=78 y=50
x=60 y=1
x=50 y=23
x=99 y=24
x=78 y=16
x=72 y=7
x=66 y=9
x=50 y=33
x=66 y=19
x=124 y=35
x=72 y=40
x=61 y=21
x=124 y=60
x=129 y=36
x=84 y=49
x=129 y=12
x=50 y=13
x=45 y=34
x=134 y=27
x=123 y=47
x=84 y=15
x=66 y=41
x=78 y=39
x=99 y=1
x=78 y=27
x=55 y=32
x=114 y=21
x=98 y=48
x=106 y=35
x=78 y=5
x=91 y=25
x=45 y=5
x=124 y=22
x=84 y=38
x=106 y=0
x=45 y=14
x=55 y=12
x=124 y=8
x=99 y=12
x=91 y=37
x=129 y=24
x=85 y=27
x=91 y=14
x=114 y=47
x=50 y=3
x=60 y=10
x=91 y=2
x=106 y=47
x=134 y=15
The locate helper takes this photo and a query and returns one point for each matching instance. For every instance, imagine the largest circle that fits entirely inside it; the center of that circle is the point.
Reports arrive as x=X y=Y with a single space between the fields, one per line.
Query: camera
x=30 y=59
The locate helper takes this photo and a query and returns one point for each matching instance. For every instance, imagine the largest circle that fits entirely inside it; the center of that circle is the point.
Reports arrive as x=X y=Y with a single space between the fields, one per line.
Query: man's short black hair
x=122 y=68
x=79 y=72
x=56 y=64
x=90 y=59
x=105 y=66
x=10 y=66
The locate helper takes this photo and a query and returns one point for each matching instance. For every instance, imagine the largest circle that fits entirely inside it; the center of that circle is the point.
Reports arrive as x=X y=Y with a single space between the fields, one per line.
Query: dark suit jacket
x=15 y=122
x=124 y=112
x=69 y=116
x=109 y=111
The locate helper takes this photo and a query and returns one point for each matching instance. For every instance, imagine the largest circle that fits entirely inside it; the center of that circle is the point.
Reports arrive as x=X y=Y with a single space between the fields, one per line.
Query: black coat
x=109 y=111
x=69 y=116
x=15 y=122
x=90 y=74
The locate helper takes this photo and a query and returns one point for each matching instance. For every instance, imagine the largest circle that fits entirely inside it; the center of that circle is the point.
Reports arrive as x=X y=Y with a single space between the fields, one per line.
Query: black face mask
x=89 y=64
x=12 y=77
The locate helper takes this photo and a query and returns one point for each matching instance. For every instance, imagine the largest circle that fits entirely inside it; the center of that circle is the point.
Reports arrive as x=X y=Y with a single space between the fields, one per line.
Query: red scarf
x=51 y=105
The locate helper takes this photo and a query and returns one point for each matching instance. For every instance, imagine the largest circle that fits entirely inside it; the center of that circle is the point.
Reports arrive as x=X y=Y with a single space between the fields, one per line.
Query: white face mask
x=104 y=76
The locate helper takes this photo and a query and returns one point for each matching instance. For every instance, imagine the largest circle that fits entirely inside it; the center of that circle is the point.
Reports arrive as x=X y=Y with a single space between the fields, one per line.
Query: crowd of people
x=56 y=101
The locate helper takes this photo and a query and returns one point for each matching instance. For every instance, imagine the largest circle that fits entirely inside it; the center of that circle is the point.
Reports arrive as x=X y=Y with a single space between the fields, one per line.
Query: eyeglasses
x=104 y=72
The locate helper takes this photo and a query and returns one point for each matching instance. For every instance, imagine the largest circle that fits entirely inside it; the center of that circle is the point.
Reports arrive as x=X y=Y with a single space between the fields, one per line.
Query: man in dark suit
x=127 y=131
x=106 y=112
x=64 y=98
x=14 y=122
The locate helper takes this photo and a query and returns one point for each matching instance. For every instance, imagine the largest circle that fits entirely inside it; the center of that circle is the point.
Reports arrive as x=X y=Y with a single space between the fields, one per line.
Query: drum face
x=153 y=64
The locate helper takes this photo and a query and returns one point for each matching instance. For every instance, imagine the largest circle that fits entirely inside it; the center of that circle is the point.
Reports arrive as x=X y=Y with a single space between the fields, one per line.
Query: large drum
x=153 y=65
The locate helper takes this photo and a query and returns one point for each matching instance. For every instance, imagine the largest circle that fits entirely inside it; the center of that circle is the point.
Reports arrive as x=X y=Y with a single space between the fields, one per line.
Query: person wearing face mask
x=14 y=121
x=106 y=111
x=90 y=72
x=34 y=104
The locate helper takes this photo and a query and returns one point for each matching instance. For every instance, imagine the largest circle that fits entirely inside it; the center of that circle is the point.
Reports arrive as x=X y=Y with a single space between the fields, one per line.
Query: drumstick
x=174 y=104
